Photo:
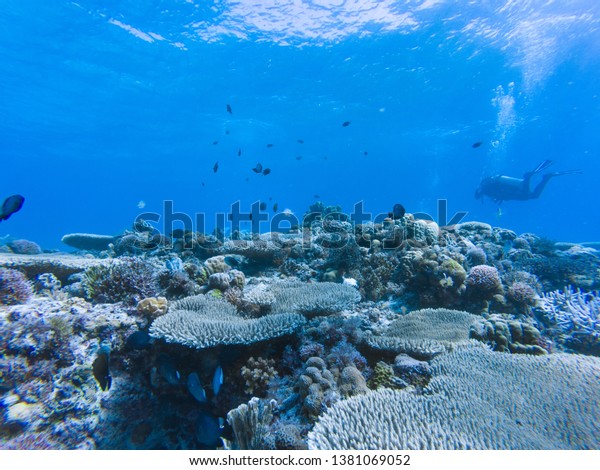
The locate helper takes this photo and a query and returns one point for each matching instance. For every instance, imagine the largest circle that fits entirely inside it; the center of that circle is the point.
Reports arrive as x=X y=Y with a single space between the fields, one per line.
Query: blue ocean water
x=108 y=107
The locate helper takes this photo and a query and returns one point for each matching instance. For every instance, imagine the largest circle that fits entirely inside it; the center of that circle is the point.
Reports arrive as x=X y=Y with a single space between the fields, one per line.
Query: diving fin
x=542 y=166
x=566 y=172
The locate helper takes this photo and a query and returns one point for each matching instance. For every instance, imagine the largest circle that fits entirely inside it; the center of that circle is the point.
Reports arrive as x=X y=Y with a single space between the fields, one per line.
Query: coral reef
x=465 y=408
x=506 y=335
x=88 y=241
x=576 y=314
x=257 y=373
x=24 y=247
x=14 y=287
x=424 y=333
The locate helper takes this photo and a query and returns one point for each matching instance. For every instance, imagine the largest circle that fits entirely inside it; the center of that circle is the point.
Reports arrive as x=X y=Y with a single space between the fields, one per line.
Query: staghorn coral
x=577 y=315
x=206 y=321
x=425 y=333
x=14 y=287
x=470 y=404
x=258 y=300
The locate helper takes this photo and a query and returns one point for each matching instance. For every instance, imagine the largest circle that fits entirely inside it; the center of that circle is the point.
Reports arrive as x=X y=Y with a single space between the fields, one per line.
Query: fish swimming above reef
x=101 y=370
x=215 y=142
x=397 y=212
x=300 y=141
x=258 y=168
x=11 y=205
x=269 y=145
x=229 y=110
x=275 y=207
x=266 y=171
x=345 y=123
x=216 y=167
x=239 y=152
x=299 y=157
x=477 y=144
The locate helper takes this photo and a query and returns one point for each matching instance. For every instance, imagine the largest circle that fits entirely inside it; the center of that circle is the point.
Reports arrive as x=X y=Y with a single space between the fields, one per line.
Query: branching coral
x=471 y=404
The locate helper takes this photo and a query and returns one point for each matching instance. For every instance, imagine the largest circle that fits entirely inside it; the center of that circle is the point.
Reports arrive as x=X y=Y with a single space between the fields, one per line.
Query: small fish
x=262 y=206
x=216 y=167
x=317 y=196
x=258 y=168
x=275 y=207
x=227 y=132
x=266 y=171
x=141 y=204
x=203 y=184
x=208 y=431
x=229 y=109
x=269 y=145
x=345 y=123
x=100 y=369
x=499 y=214
x=299 y=157
x=167 y=369
x=239 y=152
x=217 y=380
x=11 y=205
x=477 y=144
x=195 y=387
x=325 y=158
x=300 y=141
x=138 y=340
x=215 y=142
x=397 y=212
x=365 y=153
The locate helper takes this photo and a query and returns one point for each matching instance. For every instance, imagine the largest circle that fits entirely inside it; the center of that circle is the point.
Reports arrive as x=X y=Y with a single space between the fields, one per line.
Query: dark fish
x=299 y=157
x=203 y=183
x=269 y=145
x=397 y=212
x=195 y=387
x=208 y=430
x=325 y=158
x=167 y=369
x=217 y=380
x=365 y=153
x=300 y=141
x=215 y=142
x=477 y=144
x=275 y=207
x=216 y=167
x=317 y=196
x=227 y=132
x=239 y=152
x=263 y=206
x=100 y=369
x=229 y=109
x=270 y=198
x=138 y=340
x=258 y=168
x=346 y=124
x=11 y=205
x=266 y=171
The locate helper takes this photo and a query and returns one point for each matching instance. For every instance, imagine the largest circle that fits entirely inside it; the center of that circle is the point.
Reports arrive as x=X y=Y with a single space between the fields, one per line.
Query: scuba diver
x=504 y=188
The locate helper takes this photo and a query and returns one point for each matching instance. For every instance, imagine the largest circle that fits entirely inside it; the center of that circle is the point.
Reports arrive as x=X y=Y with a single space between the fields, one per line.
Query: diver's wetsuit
x=503 y=188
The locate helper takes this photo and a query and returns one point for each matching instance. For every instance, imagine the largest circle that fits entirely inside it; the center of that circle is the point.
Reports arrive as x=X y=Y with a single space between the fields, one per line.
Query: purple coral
x=484 y=281
x=14 y=287
x=522 y=295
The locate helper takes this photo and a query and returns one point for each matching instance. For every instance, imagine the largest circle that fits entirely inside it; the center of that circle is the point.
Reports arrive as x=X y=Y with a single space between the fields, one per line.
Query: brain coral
x=206 y=321
x=425 y=333
x=477 y=399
